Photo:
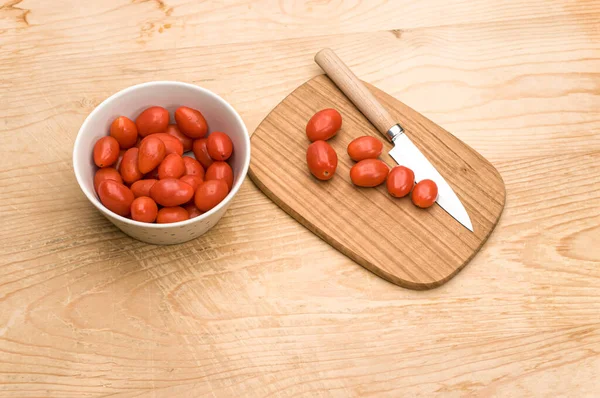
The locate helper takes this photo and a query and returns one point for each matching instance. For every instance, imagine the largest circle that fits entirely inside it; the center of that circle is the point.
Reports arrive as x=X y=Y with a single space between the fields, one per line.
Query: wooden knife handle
x=354 y=89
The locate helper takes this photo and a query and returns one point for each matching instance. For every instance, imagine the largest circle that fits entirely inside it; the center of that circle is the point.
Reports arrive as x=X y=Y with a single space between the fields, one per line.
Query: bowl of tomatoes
x=162 y=160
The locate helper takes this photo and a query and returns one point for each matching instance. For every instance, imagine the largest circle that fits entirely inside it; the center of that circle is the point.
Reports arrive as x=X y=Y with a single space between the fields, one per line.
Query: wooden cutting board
x=408 y=246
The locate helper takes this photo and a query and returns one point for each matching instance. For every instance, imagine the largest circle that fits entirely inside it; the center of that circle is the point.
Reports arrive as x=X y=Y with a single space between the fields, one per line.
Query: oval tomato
x=106 y=151
x=129 y=166
x=142 y=187
x=191 y=122
x=168 y=215
x=219 y=146
x=201 y=153
x=192 y=180
x=323 y=125
x=365 y=147
x=400 y=181
x=369 y=173
x=193 y=167
x=171 y=192
x=425 y=193
x=172 y=144
x=192 y=210
x=322 y=160
x=172 y=166
x=152 y=152
x=144 y=209
x=115 y=197
x=124 y=131
x=209 y=194
x=107 y=173
x=152 y=120
x=186 y=141
x=220 y=171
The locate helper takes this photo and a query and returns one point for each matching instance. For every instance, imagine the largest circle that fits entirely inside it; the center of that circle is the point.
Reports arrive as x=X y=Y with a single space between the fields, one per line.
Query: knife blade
x=405 y=152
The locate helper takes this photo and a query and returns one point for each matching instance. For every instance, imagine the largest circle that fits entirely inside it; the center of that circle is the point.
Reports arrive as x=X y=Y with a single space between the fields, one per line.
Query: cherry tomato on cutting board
x=219 y=146
x=172 y=166
x=115 y=197
x=129 y=166
x=210 y=193
x=192 y=180
x=201 y=153
x=365 y=147
x=144 y=209
x=168 y=215
x=369 y=173
x=186 y=141
x=425 y=193
x=124 y=131
x=220 y=171
x=152 y=120
x=107 y=173
x=400 y=181
x=193 y=167
x=191 y=122
x=152 y=152
x=142 y=187
x=322 y=160
x=171 y=192
x=323 y=125
x=106 y=151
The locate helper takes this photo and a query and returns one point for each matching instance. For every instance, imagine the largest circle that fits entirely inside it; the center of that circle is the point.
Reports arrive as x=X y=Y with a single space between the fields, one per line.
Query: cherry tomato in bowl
x=191 y=122
x=152 y=120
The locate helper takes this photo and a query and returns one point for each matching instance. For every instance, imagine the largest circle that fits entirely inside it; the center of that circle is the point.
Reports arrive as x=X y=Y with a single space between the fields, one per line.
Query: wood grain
x=260 y=306
x=394 y=239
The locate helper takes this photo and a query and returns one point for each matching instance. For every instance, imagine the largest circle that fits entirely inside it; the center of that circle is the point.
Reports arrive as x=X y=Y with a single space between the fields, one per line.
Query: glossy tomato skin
x=124 y=131
x=172 y=166
x=365 y=147
x=129 y=166
x=369 y=173
x=152 y=151
x=400 y=181
x=144 y=209
x=142 y=187
x=322 y=160
x=168 y=215
x=191 y=122
x=193 y=180
x=106 y=151
x=115 y=197
x=172 y=144
x=220 y=171
x=152 y=120
x=186 y=141
x=193 y=167
x=171 y=192
x=323 y=125
x=201 y=153
x=107 y=173
x=219 y=146
x=192 y=210
x=209 y=194
x=425 y=193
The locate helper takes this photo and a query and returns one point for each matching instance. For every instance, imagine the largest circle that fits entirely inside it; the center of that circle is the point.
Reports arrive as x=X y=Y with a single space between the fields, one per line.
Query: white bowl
x=220 y=116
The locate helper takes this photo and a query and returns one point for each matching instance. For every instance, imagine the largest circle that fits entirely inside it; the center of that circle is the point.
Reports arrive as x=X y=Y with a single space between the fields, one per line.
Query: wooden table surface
x=259 y=306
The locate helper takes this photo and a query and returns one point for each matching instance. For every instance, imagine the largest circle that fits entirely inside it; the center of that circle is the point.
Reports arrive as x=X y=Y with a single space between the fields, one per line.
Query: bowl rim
x=158 y=83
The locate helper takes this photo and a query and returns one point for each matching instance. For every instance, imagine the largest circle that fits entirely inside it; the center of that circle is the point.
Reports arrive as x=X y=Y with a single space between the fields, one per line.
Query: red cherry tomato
x=201 y=153
x=209 y=194
x=323 y=125
x=220 y=171
x=193 y=167
x=369 y=173
x=152 y=120
x=107 y=173
x=115 y=197
x=172 y=166
x=322 y=160
x=152 y=152
x=168 y=215
x=191 y=122
x=186 y=141
x=192 y=210
x=172 y=144
x=365 y=147
x=424 y=194
x=192 y=180
x=144 y=209
x=142 y=187
x=219 y=146
x=106 y=151
x=171 y=192
x=400 y=181
x=129 y=166
x=124 y=131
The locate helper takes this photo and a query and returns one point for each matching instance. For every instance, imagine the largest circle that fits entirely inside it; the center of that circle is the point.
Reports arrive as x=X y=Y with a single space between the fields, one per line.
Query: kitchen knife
x=405 y=153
